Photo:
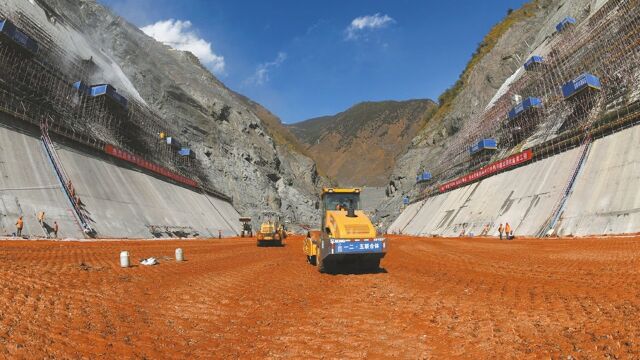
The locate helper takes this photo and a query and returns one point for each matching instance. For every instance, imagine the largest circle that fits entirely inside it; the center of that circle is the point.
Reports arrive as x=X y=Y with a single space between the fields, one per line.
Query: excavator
x=272 y=231
x=346 y=237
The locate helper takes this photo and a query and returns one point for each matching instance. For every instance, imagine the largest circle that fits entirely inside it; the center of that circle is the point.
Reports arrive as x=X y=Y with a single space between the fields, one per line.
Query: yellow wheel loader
x=346 y=237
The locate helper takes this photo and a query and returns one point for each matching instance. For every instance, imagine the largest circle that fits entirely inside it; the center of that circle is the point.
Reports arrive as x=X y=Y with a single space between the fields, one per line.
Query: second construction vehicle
x=246 y=227
x=271 y=232
x=347 y=236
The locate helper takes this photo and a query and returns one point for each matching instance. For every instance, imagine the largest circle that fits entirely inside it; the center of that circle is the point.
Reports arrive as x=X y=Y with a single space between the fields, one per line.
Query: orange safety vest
x=507 y=228
x=19 y=224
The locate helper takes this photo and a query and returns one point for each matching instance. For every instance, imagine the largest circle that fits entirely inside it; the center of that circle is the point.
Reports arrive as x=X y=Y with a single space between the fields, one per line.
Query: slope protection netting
x=37 y=86
x=606 y=45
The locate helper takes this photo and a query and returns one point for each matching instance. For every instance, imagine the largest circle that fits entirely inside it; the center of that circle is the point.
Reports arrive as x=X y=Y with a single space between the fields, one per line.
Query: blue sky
x=303 y=59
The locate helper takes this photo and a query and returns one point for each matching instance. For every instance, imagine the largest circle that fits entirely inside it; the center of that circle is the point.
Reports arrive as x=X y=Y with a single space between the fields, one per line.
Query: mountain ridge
x=359 y=146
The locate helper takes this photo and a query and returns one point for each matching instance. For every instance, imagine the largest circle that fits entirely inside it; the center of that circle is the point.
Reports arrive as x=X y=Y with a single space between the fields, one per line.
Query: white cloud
x=178 y=35
x=261 y=76
x=365 y=23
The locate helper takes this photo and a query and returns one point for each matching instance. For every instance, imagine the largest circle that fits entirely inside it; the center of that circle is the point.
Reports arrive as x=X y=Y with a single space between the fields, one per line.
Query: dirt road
x=437 y=298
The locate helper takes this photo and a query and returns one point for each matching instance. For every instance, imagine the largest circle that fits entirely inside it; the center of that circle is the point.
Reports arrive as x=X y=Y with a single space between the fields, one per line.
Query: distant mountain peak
x=359 y=145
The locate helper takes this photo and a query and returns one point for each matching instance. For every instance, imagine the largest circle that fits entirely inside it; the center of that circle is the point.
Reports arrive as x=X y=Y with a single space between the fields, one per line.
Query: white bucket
x=124 y=259
x=179 y=255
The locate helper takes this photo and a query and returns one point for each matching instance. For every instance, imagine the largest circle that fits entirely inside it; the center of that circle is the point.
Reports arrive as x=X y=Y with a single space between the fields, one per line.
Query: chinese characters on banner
x=492 y=168
x=135 y=159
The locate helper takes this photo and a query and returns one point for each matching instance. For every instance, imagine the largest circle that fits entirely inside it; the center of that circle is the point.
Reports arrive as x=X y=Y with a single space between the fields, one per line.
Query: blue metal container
x=526 y=104
x=8 y=29
x=185 y=152
x=405 y=200
x=565 y=22
x=110 y=91
x=425 y=176
x=82 y=87
x=484 y=144
x=533 y=61
x=582 y=82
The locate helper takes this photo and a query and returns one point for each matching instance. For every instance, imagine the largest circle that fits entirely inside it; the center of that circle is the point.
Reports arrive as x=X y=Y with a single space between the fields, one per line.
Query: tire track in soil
x=465 y=298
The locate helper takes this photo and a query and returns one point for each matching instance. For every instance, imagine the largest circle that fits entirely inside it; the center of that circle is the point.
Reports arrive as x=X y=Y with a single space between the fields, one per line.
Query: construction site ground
x=435 y=297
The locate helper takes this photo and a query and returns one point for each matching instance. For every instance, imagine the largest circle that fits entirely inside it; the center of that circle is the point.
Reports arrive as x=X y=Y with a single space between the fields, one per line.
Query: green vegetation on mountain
x=490 y=40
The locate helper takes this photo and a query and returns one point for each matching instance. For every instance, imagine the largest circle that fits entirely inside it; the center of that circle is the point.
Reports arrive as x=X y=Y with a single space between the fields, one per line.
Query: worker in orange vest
x=507 y=231
x=19 y=226
x=500 y=230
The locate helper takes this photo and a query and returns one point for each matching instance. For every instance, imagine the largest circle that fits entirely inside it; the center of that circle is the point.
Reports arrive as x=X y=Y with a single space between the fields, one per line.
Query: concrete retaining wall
x=523 y=197
x=405 y=217
x=28 y=185
x=605 y=198
x=120 y=200
x=606 y=195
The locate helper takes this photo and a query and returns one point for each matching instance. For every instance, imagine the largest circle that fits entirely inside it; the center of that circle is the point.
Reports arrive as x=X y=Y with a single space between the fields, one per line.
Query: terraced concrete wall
x=121 y=201
x=605 y=198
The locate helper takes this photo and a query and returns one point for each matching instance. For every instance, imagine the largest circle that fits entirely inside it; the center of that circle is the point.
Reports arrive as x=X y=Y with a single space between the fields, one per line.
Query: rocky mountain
x=499 y=56
x=359 y=146
x=245 y=153
x=276 y=129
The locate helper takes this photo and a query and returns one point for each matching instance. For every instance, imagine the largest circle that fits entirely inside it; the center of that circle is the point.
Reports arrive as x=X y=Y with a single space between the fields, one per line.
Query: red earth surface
x=434 y=298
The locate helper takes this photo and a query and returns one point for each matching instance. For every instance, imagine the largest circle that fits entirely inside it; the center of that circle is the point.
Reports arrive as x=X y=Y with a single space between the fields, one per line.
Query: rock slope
x=499 y=55
x=241 y=156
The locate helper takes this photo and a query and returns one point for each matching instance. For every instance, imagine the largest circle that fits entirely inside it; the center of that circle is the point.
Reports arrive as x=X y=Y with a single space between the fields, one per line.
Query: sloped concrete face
x=228 y=213
x=28 y=185
x=438 y=212
x=405 y=217
x=122 y=201
x=524 y=197
x=606 y=196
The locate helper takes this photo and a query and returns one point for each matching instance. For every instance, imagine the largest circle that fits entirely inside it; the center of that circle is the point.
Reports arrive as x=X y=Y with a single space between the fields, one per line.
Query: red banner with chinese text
x=139 y=161
x=492 y=168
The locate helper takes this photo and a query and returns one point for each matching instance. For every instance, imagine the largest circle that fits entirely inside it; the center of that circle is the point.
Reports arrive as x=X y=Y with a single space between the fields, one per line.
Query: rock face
x=500 y=54
x=238 y=152
x=358 y=147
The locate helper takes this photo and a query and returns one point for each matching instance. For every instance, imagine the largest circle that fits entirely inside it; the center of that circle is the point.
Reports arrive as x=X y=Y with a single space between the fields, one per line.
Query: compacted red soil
x=435 y=298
